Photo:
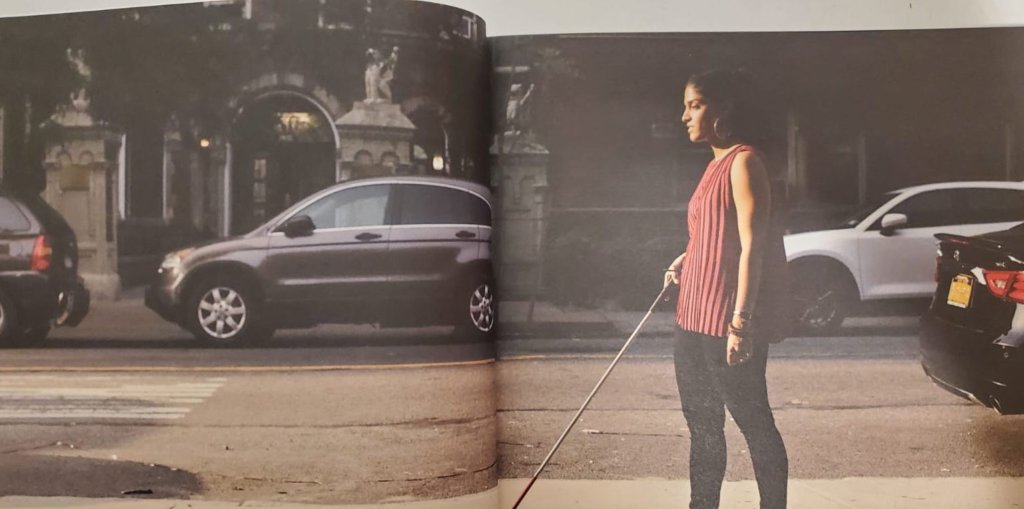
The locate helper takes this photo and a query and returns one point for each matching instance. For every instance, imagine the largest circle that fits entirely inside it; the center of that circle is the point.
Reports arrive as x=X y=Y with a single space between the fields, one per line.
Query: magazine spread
x=355 y=253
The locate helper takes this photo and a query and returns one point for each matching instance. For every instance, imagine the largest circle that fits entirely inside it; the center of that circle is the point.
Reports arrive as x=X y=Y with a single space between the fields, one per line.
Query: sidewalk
x=851 y=493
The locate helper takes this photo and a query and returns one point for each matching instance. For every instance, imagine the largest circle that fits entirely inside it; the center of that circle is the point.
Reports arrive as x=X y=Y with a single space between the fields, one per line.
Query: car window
x=994 y=206
x=347 y=208
x=929 y=209
x=427 y=204
x=11 y=218
x=47 y=215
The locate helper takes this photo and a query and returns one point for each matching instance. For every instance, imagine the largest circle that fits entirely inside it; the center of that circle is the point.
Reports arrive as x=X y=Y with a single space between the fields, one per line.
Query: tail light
x=1005 y=284
x=42 y=253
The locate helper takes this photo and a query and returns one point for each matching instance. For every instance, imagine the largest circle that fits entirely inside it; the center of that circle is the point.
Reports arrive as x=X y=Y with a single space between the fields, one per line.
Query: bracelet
x=746 y=315
x=738 y=332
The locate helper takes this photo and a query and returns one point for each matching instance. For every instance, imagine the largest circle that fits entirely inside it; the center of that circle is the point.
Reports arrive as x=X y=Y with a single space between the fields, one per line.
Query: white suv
x=886 y=250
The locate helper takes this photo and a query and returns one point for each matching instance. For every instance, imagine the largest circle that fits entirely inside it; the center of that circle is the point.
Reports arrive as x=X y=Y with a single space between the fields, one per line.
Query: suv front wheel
x=823 y=297
x=226 y=312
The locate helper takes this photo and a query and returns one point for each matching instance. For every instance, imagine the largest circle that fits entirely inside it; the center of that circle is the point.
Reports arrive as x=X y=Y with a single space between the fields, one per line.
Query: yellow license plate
x=960 y=291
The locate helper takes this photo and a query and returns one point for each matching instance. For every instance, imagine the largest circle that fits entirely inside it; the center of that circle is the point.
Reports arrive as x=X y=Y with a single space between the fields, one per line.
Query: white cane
x=590 y=397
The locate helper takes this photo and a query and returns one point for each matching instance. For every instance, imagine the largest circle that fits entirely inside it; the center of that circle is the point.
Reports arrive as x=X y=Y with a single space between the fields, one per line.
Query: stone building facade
x=318 y=102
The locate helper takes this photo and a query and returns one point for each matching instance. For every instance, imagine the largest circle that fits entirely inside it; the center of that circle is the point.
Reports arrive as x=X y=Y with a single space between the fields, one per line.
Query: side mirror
x=297 y=226
x=892 y=222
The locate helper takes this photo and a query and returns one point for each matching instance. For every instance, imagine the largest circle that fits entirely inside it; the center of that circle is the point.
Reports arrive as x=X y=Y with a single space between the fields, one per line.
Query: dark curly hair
x=733 y=93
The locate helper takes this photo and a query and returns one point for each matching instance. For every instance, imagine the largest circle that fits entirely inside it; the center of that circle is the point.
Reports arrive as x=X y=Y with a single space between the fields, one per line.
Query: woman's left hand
x=738 y=350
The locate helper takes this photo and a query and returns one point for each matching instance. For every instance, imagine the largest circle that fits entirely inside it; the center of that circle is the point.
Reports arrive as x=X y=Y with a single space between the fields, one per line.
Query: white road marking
x=72 y=396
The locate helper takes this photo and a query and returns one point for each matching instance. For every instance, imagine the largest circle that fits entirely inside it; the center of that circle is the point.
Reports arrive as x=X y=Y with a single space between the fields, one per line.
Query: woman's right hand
x=672 y=273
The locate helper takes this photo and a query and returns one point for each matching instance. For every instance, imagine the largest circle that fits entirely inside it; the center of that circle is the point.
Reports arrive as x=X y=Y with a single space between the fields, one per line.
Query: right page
x=887 y=168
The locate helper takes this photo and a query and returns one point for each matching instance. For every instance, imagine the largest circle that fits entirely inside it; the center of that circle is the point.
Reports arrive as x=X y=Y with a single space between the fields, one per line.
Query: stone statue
x=75 y=113
x=515 y=111
x=379 y=73
x=79 y=99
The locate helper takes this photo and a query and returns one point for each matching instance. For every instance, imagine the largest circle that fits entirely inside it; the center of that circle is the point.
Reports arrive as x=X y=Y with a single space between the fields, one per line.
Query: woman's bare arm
x=752 y=194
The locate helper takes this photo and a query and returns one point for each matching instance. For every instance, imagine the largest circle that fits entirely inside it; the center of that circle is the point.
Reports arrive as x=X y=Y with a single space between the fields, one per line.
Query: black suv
x=39 y=282
x=397 y=251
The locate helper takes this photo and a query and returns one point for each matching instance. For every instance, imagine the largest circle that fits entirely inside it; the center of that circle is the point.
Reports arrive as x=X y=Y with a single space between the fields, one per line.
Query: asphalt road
x=368 y=435
x=126 y=334
x=840 y=417
x=355 y=414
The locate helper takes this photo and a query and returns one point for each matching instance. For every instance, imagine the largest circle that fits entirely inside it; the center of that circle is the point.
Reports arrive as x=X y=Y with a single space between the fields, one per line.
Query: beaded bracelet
x=738 y=332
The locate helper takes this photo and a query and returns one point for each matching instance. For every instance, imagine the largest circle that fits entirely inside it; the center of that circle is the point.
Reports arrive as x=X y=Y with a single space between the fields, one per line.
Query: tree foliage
x=35 y=78
x=159 y=63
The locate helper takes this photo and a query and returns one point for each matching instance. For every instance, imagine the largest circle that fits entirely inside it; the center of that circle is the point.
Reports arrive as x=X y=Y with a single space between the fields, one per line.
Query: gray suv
x=397 y=251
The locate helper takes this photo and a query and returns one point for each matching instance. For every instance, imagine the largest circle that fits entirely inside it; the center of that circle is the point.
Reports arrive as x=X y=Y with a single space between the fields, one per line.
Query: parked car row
x=884 y=250
x=973 y=331
x=397 y=252
x=414 y=251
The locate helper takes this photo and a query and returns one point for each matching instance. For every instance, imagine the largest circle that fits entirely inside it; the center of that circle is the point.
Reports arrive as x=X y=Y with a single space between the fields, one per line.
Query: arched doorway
x=284 y=149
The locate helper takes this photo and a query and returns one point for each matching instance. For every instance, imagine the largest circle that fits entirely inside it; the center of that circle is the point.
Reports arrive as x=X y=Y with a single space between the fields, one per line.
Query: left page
x=244 y=255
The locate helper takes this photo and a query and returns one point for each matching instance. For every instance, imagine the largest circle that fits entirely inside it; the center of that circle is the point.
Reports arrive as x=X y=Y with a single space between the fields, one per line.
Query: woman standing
x=725 y=326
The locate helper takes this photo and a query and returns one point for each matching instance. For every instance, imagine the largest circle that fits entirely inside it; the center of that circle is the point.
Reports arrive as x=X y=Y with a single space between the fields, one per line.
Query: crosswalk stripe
x=86 y=415
x=131 y=397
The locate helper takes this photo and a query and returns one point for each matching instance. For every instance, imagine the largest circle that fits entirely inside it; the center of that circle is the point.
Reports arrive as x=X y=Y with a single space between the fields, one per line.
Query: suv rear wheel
x=477 y=310
x=226 y=312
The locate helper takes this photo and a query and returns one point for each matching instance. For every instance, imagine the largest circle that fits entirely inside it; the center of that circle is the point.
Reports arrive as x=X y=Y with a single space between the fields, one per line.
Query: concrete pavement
x=849 y=493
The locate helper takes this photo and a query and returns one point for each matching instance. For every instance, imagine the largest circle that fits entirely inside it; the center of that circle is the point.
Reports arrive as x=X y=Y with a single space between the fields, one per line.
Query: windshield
x=865 y=210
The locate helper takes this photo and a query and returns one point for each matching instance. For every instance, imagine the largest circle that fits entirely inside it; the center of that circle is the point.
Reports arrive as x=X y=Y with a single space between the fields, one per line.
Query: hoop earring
x=714 y=127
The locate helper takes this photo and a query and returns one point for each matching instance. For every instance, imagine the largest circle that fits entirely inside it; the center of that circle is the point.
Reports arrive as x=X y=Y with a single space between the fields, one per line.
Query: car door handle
x=368 y=236
x=464 y=234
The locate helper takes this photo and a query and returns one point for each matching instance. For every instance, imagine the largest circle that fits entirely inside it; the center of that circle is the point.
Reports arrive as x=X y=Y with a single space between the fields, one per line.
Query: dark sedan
x=399 y=251
x=972 y=337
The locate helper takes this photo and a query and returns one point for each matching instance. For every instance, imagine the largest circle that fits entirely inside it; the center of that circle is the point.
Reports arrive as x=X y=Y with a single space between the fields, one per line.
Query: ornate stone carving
x=379 y=73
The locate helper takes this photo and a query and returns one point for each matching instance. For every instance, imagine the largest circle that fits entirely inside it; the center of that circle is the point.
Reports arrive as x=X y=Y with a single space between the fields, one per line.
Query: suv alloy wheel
x=225 y=312
x=477 y=312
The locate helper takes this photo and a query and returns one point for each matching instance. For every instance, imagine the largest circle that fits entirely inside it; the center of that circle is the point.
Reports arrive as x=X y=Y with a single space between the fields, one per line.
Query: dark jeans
x=707 y=386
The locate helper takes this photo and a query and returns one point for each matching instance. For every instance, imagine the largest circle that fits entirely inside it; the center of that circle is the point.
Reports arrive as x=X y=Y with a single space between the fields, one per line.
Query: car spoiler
x=980 y=242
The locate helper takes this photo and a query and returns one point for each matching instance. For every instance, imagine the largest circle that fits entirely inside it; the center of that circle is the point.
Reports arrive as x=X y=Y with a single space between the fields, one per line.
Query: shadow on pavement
x=997 y=443
x=38 y=475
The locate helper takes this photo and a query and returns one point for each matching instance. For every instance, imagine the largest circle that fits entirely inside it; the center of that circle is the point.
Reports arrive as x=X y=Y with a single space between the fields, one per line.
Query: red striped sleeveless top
x=707 y=282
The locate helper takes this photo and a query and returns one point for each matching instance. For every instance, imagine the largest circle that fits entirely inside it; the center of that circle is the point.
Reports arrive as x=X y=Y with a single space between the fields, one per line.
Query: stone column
x=376 y=140
x=82 y=162
x=519 y=173
x=81 y=183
